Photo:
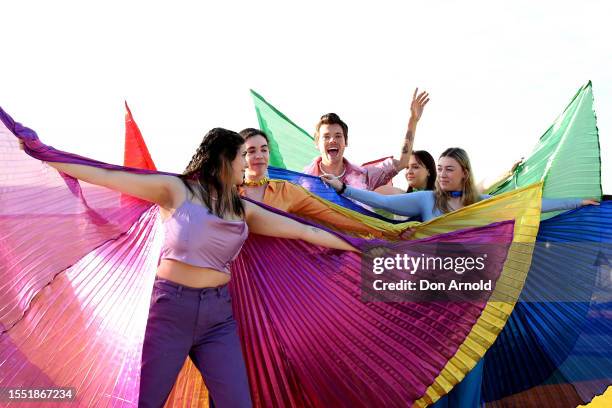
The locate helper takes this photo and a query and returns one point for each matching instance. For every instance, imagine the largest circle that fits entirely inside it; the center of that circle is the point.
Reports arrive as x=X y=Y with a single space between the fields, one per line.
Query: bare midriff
x=192 y=276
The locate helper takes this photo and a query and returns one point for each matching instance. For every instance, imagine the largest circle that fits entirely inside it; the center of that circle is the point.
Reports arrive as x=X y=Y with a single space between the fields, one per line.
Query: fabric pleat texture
x=567 y=156
x=299 y=178
x=558 y=353
x=567 y=160
x=291 y=147
x=542 y=340
x=78 y=263
x=489 y=213
x=370 y=352
x=307 y=336
x=36 y=199
x=523 y=206
x=85 y=328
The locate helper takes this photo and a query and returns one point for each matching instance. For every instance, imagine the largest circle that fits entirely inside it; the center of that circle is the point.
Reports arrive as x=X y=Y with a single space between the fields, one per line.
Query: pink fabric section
x=47 y=223
x=85 y=328
x=78 y=264
x=309 y=340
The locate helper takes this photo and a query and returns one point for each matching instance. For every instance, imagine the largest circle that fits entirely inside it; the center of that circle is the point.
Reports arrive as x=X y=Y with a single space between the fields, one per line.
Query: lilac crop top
x=197 y=237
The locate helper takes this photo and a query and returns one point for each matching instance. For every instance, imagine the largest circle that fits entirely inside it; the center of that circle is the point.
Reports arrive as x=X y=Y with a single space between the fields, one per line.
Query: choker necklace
x=455 y=194
x=261 y=182
x=329 y=174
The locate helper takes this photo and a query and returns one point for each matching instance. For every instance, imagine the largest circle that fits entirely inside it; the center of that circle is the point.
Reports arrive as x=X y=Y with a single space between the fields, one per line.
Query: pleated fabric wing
x=485 y=212
x=567 y=157
x=76 y=294
x=540 y=343
x=333 y=349
x=291 y=147
x=558 y=352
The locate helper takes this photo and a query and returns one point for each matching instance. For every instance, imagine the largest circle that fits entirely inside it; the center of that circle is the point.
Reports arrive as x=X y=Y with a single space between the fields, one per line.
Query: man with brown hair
x=331 y=138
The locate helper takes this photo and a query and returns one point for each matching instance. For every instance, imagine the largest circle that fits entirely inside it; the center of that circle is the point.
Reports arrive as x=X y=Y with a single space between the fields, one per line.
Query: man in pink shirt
x=331 y=138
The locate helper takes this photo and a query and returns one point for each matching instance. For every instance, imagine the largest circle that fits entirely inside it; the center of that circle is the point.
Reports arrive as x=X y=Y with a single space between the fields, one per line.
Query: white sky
x=499 y=73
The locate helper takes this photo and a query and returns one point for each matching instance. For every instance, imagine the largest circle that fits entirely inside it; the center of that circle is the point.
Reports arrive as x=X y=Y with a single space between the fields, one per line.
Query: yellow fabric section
x=524 y=207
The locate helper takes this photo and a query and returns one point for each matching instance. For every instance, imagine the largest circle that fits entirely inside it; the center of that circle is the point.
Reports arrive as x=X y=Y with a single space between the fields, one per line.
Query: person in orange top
x=296 y=200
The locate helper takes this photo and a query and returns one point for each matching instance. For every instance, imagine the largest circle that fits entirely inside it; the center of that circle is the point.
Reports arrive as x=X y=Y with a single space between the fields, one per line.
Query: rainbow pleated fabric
x=77 y=268
x=533 y=360
x=559 y=353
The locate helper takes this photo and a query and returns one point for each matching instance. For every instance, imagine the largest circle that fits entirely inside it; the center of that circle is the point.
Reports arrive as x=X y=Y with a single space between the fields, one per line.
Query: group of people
x=433 y=190
x=206 y=221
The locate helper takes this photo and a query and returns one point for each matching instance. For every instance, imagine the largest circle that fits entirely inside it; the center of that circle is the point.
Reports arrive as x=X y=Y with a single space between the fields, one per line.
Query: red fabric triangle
x=136 y=153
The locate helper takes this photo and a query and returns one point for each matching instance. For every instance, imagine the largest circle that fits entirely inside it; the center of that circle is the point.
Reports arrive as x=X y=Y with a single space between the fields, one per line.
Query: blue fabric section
x=560 y=342
x=319 y=188
x=466 y=394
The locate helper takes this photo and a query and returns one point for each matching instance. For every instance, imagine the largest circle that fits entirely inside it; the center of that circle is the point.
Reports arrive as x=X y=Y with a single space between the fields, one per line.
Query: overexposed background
x=499 y=73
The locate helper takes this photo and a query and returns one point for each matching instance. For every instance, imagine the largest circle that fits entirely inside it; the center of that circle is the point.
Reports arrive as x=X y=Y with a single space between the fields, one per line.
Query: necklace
x=261 y=182
x=329 y=174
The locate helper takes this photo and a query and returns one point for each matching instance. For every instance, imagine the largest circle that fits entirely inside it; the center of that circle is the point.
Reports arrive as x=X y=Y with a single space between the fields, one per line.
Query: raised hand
x=419 y=100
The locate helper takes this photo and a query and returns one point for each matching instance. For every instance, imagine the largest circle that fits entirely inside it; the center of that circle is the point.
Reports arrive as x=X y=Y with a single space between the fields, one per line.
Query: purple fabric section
x=76 y=270
x=333 y=296
x=304 y=315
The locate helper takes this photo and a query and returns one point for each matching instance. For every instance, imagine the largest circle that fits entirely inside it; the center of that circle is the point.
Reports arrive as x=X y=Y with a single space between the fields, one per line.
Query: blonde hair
x=470 y=192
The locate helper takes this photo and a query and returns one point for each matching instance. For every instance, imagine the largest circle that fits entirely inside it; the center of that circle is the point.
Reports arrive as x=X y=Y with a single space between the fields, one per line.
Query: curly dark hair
x=211 y=168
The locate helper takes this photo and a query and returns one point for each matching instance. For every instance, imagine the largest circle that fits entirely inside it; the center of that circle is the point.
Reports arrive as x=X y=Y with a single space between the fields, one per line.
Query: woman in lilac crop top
x=205 y=222
x=454 y=189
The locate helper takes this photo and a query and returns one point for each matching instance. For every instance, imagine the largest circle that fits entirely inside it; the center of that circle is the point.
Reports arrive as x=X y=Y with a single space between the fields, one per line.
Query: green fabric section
x=567 y=156
x=290 y=146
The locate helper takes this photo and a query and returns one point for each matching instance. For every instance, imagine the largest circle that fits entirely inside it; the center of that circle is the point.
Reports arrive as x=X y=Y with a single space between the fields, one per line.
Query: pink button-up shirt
x=367 y=177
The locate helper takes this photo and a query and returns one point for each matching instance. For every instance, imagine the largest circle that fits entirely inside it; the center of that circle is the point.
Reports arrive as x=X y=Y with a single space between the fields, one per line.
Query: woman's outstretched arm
x=264 y=222
x=559 y=204
x=166 y=191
